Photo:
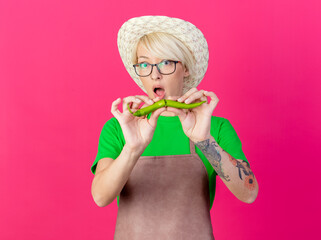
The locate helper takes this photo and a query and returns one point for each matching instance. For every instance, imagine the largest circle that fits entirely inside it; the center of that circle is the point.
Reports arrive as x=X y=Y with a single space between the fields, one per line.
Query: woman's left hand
x=196 y=122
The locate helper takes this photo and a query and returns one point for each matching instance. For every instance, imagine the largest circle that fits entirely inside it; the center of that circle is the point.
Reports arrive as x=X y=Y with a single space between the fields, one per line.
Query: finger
x=154 y=116
x=129 y=100
x=153 y=101
x=142 y=98
x=146 y=99
x=174 y=98
x=194 y=96
x=136 y=105
x=187 y=94
x=214 y=99
x=114 y=108
x=181 y=113
x=156 y=99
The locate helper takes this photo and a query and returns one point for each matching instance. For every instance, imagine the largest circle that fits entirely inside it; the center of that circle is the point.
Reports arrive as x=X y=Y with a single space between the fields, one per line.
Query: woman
x=164 y=184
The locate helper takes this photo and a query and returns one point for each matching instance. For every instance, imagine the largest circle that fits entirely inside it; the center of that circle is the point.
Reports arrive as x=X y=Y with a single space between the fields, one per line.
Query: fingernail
x=188 y=101
x=151 y=101
x=179 y=100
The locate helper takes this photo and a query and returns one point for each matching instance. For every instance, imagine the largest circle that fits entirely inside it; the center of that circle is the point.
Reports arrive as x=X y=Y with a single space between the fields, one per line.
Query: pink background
x=60 y=70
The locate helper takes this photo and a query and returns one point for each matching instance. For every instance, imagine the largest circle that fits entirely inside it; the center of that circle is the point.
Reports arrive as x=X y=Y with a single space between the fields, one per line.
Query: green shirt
x=170 y=139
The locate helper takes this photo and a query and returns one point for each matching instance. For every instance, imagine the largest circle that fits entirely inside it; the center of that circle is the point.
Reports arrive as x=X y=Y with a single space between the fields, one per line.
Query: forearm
x=108 y=183
x=235 y=173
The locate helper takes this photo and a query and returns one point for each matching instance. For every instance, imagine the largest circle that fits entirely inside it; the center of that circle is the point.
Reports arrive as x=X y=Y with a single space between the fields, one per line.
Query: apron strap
x=192 y=147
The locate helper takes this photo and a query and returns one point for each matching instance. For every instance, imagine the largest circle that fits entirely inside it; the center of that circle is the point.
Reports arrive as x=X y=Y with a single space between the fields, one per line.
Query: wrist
x=201 y=139
x=134 y=149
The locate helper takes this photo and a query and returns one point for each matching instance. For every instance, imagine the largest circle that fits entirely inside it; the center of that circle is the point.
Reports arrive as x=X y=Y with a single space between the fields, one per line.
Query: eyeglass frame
x=156 y=65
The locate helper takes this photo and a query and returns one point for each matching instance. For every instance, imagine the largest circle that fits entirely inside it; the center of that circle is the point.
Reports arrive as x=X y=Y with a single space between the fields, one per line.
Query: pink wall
x=60 y=70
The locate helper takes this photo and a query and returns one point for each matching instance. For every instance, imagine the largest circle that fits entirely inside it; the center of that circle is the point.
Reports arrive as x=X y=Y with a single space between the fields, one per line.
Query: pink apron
x=166 y=197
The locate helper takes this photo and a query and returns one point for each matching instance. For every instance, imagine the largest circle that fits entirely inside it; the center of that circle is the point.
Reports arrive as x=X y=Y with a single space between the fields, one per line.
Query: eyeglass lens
x=164 y=67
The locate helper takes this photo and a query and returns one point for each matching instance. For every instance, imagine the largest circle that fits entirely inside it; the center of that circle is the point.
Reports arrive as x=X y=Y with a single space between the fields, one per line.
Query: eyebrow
x=142 y=57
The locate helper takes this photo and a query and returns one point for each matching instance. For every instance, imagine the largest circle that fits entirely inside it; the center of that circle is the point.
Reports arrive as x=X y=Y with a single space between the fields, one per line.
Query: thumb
x=181 y=113
x=154 y=116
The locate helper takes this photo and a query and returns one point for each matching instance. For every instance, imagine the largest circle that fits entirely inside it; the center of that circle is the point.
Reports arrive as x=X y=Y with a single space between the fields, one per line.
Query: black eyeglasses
x=165 y=67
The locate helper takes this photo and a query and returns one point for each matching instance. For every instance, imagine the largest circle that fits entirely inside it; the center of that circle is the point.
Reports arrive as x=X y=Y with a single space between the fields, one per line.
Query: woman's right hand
x=138 y=131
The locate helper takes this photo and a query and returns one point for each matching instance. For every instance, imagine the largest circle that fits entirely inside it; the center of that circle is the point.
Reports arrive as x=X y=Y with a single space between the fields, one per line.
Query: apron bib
x=165 y=197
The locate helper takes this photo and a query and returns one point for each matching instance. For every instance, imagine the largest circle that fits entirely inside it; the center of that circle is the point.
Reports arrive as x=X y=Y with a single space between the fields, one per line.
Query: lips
x=159 y=91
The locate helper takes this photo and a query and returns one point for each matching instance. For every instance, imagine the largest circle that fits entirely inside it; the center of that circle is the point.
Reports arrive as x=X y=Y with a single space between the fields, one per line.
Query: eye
x=143 y=65
x=166 y=62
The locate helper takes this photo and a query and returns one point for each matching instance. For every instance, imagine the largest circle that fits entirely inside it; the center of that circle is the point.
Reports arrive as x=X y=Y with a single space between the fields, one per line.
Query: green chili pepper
x=163 y=103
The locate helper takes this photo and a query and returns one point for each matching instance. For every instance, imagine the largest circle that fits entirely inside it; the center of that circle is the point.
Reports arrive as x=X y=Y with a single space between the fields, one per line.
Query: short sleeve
x=111 y=142
x=230 y=142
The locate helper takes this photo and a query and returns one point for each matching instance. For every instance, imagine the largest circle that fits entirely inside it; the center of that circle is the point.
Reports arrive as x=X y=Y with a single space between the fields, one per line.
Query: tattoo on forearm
x=211 y=153
x=210 y=150
x=249 y=180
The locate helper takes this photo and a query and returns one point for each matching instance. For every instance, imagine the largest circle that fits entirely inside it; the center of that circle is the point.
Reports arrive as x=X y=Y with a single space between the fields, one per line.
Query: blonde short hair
x=166 y=46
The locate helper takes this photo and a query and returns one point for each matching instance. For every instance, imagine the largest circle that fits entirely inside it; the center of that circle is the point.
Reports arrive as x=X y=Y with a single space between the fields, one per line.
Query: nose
x=155 y=73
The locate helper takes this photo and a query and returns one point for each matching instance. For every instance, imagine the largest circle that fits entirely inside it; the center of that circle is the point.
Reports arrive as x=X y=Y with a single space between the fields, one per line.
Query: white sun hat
x=133 y=29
